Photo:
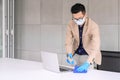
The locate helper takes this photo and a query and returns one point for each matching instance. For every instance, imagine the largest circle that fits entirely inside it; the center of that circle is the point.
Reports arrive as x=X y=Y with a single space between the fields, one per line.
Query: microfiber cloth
x=75 y=70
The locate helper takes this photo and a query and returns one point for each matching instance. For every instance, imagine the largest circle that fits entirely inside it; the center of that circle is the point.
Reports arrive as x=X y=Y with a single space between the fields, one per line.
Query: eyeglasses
x=77 y=19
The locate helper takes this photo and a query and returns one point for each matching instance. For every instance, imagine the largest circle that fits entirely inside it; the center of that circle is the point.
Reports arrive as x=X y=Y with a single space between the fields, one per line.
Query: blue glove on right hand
x=81 y=69
x=70 y=59
x=76 y=71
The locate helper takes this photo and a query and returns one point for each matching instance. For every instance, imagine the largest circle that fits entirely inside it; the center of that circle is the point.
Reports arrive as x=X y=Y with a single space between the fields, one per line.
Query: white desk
x=14 y=69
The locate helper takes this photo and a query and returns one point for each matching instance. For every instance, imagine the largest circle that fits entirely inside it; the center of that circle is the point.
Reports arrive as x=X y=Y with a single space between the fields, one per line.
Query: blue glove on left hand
x=70 y=59
x=82 y=69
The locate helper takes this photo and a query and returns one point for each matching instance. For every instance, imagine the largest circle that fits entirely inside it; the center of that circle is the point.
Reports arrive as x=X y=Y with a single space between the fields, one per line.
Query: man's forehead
x=78 y=15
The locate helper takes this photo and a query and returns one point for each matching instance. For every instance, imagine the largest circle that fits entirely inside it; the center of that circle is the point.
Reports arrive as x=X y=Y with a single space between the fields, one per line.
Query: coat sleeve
x=69 y=40
x=95 y=38
x=95 y=43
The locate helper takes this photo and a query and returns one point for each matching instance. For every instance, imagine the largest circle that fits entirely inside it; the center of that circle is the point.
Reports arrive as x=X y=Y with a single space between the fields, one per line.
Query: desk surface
x=14 y=69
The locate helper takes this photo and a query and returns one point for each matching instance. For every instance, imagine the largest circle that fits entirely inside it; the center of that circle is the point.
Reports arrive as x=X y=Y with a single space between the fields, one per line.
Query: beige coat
x=90 y=38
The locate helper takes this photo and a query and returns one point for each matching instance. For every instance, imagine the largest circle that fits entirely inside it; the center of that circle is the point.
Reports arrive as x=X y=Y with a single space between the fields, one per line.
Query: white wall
x=106 y=15
x=41 y=25
x=0 y=28
x=119 y=25
x=27 y=29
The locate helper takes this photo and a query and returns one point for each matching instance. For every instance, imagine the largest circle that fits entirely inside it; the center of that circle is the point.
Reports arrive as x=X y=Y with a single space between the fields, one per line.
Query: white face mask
x=80 y=21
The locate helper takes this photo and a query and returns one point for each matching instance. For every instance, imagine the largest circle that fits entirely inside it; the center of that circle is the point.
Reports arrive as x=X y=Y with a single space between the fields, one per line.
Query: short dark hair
x=77 y=8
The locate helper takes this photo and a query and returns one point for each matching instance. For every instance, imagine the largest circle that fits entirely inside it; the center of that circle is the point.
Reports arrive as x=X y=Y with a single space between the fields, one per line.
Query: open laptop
x=50 y=62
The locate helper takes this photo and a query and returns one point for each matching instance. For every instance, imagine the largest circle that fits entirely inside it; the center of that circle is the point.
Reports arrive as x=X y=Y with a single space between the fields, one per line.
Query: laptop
x=50 y=62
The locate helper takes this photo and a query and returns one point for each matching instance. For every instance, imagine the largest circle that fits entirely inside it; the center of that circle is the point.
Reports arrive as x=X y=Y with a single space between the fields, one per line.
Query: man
x=82 y=39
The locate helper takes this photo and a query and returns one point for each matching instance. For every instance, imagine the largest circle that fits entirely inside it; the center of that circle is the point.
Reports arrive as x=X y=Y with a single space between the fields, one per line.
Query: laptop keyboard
x=64 y=68
x=61 y=69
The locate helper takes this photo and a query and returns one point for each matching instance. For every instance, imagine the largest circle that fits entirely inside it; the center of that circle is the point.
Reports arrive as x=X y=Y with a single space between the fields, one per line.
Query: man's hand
x=70 y=59
x=81 y=69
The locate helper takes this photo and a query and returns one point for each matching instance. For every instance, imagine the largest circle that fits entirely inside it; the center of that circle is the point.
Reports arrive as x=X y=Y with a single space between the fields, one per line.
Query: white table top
x=14 y=69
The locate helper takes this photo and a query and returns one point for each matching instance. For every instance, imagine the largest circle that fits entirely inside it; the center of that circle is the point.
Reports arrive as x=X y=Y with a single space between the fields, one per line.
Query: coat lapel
x=76 y=29
x=85 y=27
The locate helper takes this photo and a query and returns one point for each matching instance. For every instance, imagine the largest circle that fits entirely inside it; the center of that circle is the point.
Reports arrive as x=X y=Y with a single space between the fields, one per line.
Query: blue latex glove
x=83 y=68
x=70 y=59
x=75 y=70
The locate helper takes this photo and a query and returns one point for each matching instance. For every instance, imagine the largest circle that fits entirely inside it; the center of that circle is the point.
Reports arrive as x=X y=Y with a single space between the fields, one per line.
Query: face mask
x=80 y=21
